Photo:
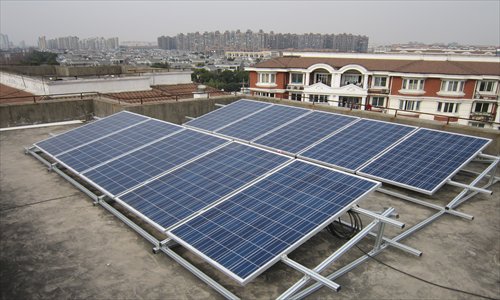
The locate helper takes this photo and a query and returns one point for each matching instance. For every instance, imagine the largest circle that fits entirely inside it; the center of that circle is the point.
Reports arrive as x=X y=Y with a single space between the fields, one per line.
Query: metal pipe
x=212 y=283
x=483 y=155
x=377 y=216
x=379 y=236
x=75 y=183
x=332 y=258
x=469 y=187
x=330 y=284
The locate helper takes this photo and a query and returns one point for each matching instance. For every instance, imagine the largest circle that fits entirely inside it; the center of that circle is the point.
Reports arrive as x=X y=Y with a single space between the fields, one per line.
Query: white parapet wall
x=34 y=85
x=43 y=86
x=169 y=78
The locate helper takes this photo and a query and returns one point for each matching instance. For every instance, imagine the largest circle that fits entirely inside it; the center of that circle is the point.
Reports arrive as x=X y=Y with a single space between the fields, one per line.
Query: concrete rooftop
x=55 y=244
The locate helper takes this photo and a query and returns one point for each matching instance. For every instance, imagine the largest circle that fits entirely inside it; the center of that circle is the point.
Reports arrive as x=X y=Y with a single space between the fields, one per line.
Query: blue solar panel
x=136 y=167
x=262 y=122
x=227 y=114
x=87 y=133
x=305 y=131
x=357 y=144
x=175 y=196
x=102 y=150
x=425 y=160
x=248 y=232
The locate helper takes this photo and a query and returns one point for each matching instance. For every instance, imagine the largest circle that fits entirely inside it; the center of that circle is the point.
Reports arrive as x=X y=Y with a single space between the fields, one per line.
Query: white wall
x=169 y=78
x=32 y=85
x=102 y=85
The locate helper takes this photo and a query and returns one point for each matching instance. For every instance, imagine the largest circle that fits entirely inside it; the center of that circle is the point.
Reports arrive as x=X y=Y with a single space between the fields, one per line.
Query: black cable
x=38 y=202
x=424 y=280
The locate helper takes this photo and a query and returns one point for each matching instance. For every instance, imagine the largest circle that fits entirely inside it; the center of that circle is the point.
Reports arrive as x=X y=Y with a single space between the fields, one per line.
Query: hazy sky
x=466 y=22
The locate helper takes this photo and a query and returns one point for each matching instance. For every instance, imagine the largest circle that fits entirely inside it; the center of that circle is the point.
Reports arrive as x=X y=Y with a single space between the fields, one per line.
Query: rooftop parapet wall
x=177 y=111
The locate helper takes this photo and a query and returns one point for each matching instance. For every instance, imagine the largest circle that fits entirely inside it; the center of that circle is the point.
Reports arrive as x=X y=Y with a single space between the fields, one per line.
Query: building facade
x=461 y=90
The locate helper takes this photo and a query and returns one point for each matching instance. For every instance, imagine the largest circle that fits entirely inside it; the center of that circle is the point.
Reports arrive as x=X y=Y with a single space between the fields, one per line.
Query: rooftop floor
x=56 y=244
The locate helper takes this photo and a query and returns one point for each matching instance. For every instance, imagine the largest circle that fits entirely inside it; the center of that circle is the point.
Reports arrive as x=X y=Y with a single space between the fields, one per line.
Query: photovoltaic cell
x=136 y=167
x=177 y=195
x=262 y=122
x=248 y=232
x=89 y=132
x=305 y=131
x=227 y=114
x=425 y=160
x=102 y=150
x=357 y=144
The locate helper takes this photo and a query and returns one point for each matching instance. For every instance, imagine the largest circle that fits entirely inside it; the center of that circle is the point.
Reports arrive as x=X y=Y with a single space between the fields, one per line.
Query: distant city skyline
x=384 y=22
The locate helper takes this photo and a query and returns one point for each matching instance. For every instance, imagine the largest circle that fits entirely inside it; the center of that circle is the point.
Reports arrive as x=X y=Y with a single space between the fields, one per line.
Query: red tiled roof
x=390 y=65
x=163 y=93
x=12 y=95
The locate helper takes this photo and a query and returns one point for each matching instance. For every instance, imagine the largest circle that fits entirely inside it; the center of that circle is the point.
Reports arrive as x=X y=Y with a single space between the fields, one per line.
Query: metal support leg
x=336 y=255
x=205 y=278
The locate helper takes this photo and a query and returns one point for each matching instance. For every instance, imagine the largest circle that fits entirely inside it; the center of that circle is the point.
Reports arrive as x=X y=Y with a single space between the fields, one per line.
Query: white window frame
x=413 y=105
x=296 y=82
x=413 y=84
x=266 y=79
x=296 y=96
x=377 y=102
x=448 y=107
x=374 y=81
x=265 y=94
x=317 y=77
x=479 y=107
x=318 y=98
x=492 y=83
x=452 y=86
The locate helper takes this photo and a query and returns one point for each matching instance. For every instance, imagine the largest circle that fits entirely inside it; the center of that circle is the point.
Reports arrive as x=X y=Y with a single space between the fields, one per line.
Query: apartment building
x=453 y=89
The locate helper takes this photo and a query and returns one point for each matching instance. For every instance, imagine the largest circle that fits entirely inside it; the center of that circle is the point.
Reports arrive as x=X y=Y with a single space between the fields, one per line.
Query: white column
x=365 y=82
x=306 y=83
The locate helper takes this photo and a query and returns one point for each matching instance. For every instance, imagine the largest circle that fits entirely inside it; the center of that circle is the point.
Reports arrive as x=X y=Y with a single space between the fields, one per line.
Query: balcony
x=482 y=116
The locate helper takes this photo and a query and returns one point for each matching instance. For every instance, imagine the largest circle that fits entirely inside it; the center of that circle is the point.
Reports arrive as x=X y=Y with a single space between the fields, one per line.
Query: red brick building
x=447 y=86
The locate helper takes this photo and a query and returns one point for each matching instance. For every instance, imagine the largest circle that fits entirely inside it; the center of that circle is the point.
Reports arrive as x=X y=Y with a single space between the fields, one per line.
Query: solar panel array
x=176 y=195
x=231 y=113
x=354 y=146
x=425 y=160
x=240 y=207
x=251 y=230
x=304 y=132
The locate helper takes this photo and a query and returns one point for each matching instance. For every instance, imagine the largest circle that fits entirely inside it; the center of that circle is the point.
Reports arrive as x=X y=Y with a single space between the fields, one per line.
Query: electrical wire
x=424 y=280
x=37 y=202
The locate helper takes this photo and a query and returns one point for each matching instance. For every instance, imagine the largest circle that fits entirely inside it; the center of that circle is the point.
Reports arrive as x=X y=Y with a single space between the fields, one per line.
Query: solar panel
x=102 y=150
x=227 y=114
x=177 y=195
x=357 y=144
x=89 y=132
x=425 y=160
x=136 y=167
x=262 y=122
x=304 y=132
x=248 y=232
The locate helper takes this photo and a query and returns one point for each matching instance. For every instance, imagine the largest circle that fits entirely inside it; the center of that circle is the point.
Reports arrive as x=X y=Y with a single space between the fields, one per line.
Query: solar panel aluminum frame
x=163 y=229
x=353 y=171
x=103 y=137
x=244 y=281
x=443 y=182
x=123 y=111
x=231 y=123
x=306 y=112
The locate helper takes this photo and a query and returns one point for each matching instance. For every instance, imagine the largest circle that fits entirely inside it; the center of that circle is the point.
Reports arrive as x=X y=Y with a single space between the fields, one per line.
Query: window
x=447 y=107
x=322 y=77
x=318 y=98
x=456 y=86
x=486 y=86
x=297 y=78
x=267 y=78
x=379 y=81
x=477 y=124
x=296 y=97
x=413 y=84
x=264 y=94
x=378 y=101
x=409 y=105
x=482 y=107
x=351 y=79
